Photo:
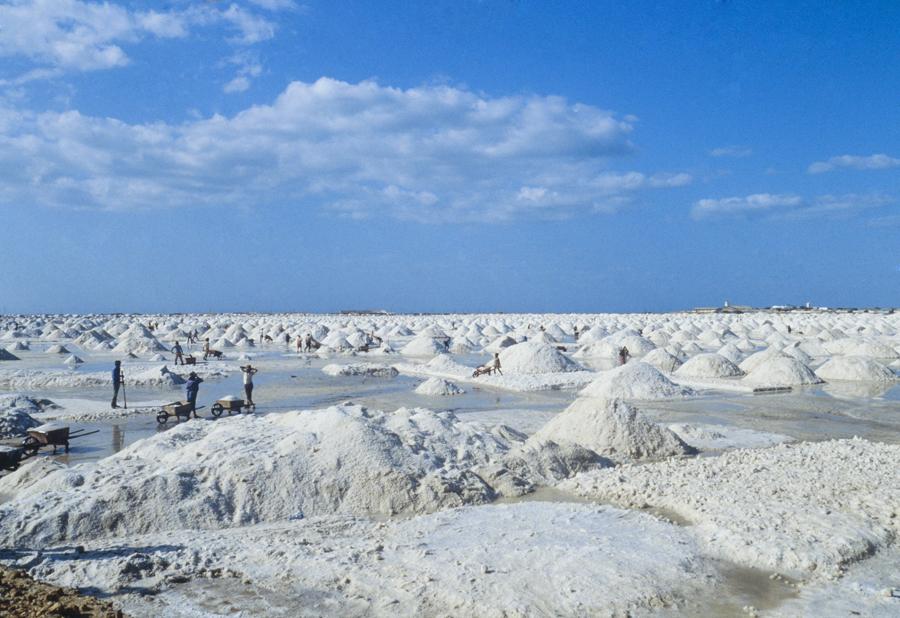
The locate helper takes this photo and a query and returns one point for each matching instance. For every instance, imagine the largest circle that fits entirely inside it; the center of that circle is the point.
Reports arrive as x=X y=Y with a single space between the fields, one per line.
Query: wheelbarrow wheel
x=217 y=409
x=31 y=445
x=162 y=418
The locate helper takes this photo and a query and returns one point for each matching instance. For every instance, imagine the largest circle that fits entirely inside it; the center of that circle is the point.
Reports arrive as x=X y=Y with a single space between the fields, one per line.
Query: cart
x=51 y=435
x=10 y=456
x=232 y=406
x=178 y=409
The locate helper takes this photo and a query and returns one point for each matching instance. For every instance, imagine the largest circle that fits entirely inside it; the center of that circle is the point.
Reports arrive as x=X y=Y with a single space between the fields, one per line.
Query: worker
x=192 y=388
x=299 y=344
x=624 y=355
x=248 y=372
x=179 y=353
x=497 y=363
x=576 y=333
x=117 y=382
x=206 y=349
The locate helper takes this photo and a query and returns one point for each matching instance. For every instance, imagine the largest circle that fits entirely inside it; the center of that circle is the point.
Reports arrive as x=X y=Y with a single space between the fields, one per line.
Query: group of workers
x=191 y=387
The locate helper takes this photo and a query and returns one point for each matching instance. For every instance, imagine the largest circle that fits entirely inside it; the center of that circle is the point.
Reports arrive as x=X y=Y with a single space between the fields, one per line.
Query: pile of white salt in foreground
x=244 y=470
x=637 y=380
x=531 y=357
x=855 y=369
x=438 y=387
x=805 y=510
x=530 y=559
x=612 y=428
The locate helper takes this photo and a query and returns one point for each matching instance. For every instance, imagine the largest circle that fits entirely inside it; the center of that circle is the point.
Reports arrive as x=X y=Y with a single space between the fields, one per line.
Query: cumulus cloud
x=79 y=35
x=731 y=151
x=780 y=206
x=871 y=162
x=434 y=153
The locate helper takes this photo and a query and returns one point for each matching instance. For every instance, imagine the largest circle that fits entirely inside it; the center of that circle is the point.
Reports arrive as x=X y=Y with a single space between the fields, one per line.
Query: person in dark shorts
x=249 y=372
x=117 y=382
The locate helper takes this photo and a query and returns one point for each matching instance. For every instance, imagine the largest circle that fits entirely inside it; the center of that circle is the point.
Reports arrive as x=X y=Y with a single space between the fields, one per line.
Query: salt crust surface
x=708 y=365
x=805 y=510
x=719 y=437
x=525 y=559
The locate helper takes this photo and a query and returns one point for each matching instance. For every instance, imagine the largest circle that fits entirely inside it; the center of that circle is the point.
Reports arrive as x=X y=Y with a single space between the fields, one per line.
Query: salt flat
x=378 y=476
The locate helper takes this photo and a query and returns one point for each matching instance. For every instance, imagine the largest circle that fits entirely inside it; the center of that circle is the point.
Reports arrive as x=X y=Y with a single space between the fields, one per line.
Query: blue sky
x=504 y=155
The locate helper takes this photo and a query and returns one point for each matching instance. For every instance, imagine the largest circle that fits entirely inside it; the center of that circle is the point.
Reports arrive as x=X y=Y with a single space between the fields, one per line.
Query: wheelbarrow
x=53 y=435
x=178 y=409
x=232 y=406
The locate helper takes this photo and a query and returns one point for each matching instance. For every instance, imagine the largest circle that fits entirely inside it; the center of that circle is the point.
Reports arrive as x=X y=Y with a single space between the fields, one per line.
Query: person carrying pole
x=249 y=372
x=117 y=380
x=179 y=353
x=192 y=388
x=624 y=355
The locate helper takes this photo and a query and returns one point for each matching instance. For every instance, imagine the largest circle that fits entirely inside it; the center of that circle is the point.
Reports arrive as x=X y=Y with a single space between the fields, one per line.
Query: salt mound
x=852 y=346
x=15 y=415
x=438 y=387
x=58 y=349
x=708 y=365
x=7 y=356
x=73 y=360
x=759 y=359
x=28 y=473
x=611 y=428
x=531 y=358
x=782 y=371
x=243 y=470
x=662 y=360
x=444 y=363
x=855 y=368
x=806 y=510
x=19 y=346
x=373 y=370
x=636 y=380
x=154 y=376
x=423 y=346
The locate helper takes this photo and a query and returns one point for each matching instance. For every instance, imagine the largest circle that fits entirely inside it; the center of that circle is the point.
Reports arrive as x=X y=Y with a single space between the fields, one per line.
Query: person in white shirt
x=248 y=372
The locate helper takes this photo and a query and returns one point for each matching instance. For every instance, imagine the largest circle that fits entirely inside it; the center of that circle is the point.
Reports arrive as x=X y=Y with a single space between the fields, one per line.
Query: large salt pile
x=242 y=470
x=782 y=371
x=709 y=365
x=662 y=360
x=611 y=428
x=7 y=356
x=58 y=349
x=438 y=387
x=635 y=380
x=15 y=415
x=532 y=358
x=805 y=510
x=424 y=346
x=853 y=346
x=855 y=368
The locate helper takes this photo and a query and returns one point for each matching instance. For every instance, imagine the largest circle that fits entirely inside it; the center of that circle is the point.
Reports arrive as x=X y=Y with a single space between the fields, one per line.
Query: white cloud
x=248 y=68
x=731 y=151
x=871 y=162
x=79 y=35
x=429 y=153
x=742 y=205
x=790 y=206
x=275 y=5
